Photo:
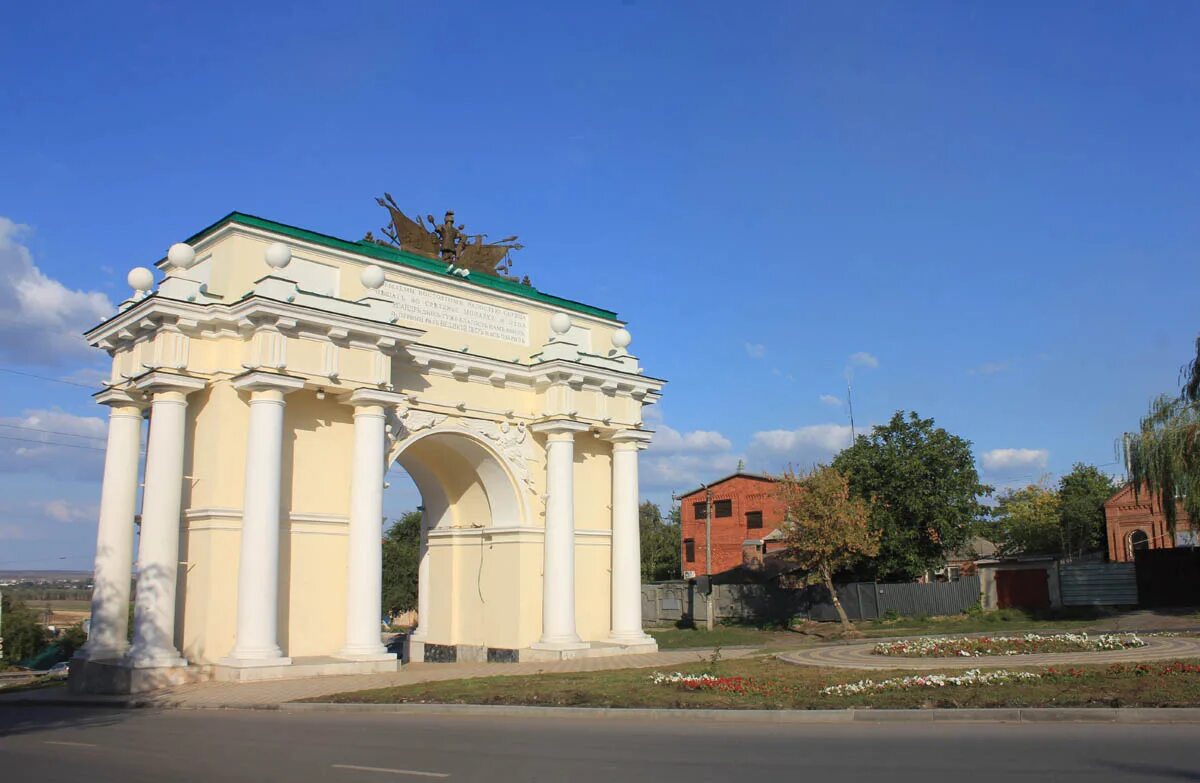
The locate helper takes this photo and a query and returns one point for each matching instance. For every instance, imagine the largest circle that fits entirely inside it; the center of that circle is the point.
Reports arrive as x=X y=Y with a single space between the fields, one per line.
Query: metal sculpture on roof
x=447 y=241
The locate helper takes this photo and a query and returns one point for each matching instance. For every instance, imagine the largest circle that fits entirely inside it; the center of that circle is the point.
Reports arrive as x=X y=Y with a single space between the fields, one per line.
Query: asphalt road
x=87 y=744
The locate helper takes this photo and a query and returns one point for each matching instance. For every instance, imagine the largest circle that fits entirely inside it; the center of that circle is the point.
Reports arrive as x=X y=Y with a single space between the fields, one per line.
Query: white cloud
x=863 y=359
x=831 y=400
x=989 y=368
x=668 y=440
x=53 y=442
x=756 y=350
x=773 y=449
x=65 y=511
x=41 y=320
x=679 y=461
x=1011 y=460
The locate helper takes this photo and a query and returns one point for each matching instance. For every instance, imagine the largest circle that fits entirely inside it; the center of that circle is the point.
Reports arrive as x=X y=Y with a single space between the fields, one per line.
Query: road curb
x=1129 y=715
x=1123 y=715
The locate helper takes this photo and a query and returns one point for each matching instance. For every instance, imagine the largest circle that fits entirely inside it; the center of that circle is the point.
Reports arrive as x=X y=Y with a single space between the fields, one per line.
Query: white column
x=158 y=552
x=256 y=638
x=626 y=539
x=364 y=586
x=114 y=535
x=421 y=632
x=558 y=566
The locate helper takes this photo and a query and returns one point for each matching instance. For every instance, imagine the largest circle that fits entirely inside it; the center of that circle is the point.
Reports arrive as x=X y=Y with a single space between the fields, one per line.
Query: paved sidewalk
x=272 y=693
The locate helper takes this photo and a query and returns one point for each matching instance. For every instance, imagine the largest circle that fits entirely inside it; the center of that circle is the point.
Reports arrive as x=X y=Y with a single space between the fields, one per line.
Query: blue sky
x=991 y=207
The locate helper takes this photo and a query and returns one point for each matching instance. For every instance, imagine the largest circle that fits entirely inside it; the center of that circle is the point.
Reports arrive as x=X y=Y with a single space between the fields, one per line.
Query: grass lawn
x=985 y=622
x=771 y=684
x=724 y=636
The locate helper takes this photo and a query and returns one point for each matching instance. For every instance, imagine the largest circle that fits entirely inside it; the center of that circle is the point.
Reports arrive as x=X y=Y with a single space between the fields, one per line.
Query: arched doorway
x=472 y=504
x=1137 y=541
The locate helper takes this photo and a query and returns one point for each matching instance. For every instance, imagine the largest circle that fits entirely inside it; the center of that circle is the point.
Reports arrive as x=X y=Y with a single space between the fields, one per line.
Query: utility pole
x=708 y=599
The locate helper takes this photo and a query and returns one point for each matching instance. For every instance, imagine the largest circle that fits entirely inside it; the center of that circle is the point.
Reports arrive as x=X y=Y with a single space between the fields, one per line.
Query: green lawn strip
x=1004 y=621
x=722 y=636
x=779 y=685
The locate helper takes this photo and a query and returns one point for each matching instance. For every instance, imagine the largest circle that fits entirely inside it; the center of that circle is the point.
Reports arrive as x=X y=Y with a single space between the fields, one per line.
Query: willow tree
x=825 y=529
x=1163 y=456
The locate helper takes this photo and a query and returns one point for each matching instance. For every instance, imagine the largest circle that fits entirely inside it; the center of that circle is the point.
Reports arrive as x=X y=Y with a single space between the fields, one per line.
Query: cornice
x=156 y=313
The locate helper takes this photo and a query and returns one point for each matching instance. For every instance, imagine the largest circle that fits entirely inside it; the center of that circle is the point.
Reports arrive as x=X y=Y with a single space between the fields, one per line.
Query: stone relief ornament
x=511 y=441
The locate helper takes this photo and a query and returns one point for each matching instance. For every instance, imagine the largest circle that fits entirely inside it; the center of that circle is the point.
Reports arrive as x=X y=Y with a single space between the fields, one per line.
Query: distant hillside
x=21 y=576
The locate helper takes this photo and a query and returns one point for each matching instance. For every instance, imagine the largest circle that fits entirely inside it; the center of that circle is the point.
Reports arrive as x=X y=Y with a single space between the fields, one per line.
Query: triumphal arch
x=281 y=372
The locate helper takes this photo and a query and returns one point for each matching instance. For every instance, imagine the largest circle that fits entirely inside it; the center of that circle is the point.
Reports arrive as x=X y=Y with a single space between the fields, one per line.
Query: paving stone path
x=859 y=656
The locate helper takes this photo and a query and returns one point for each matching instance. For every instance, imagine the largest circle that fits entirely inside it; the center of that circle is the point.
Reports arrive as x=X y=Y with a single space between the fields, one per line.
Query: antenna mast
x=850 y=404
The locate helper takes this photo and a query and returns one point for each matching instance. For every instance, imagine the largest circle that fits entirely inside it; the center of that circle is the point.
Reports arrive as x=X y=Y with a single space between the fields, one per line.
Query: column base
x=154 y=659
x=254 y=663
x=560 y=646
x=88 y=653
x=379 y=653
x=630 y=639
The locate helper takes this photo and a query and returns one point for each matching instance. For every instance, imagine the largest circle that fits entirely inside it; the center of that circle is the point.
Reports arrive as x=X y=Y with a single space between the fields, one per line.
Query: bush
x=23 y=636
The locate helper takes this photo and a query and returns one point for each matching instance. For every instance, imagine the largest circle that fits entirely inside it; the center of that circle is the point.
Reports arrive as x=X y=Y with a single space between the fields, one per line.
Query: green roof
x=403 y=258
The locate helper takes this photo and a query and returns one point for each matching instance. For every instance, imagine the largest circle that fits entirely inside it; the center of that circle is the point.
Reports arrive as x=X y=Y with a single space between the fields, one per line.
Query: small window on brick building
x=723 y=508
x=753 y=519
x=700 y=510
x=689 y=549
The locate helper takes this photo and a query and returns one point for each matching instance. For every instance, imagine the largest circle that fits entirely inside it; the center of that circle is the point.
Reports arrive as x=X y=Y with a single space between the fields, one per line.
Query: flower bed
x=976 y=677
x=1029 y=644
x=970 y=677
x=709 y=682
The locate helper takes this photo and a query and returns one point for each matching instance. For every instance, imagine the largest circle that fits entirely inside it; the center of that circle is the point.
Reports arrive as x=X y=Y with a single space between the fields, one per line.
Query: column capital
x=367 y=396
x=559 y=427
x=630 y=439
x=157 y=381
x=257 y=380
x=118 y=398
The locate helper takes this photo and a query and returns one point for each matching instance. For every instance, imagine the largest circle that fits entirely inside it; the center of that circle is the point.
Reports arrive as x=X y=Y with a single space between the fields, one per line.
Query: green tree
x=1163 y=456
x=825 y=528
x=660 y=544
x=401 y=560
x=70 y=640
x=923 y=490
x=1027 y=521
x=24 y=637
x=1081 y=496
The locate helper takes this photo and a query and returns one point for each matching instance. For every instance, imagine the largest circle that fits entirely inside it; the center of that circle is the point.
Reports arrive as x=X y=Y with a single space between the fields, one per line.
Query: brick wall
x=1124 y=515
x=745 y=494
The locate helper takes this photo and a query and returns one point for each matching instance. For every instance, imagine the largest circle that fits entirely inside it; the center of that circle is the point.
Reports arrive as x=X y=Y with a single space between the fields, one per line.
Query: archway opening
x=1138 y=541
x=466 y=574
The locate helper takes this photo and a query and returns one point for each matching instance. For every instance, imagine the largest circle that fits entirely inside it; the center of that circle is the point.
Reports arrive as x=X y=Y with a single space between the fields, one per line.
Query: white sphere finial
x=140 y=279
x=621 y=339
x=181 y=255
x=278 y=255
x=560 y=323
x=372 y=277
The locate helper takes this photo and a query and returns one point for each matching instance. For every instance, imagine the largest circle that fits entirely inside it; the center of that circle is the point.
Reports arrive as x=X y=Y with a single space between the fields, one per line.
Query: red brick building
x=1138 y=523
x=745 y=515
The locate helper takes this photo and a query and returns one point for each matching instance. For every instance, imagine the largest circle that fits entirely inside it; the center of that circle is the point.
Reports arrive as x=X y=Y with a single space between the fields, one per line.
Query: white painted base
x=305 y=667
x=595 y=650
x=157 y=662
x=254 y=663
x=477 y=654
x=559 y=646
x=118 y=677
